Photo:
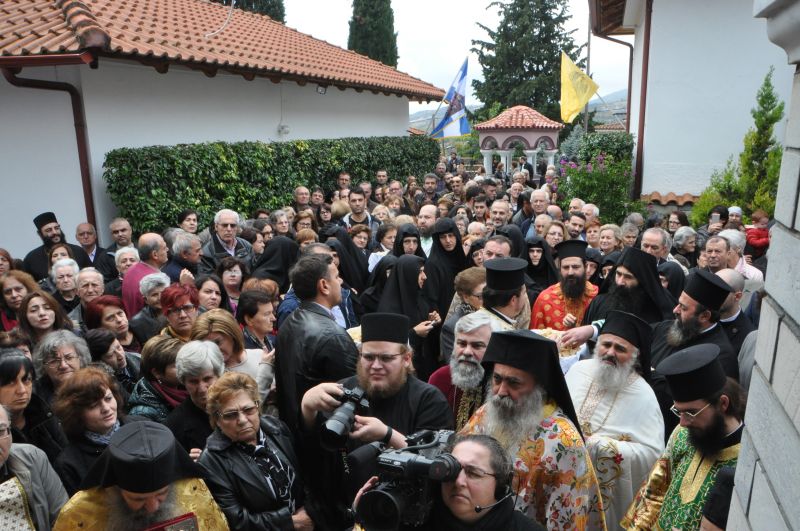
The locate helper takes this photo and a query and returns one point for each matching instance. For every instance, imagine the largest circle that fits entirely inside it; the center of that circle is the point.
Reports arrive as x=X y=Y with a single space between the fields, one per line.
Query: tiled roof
x=671 y=197
x=413 y=131
x=519 y=117
x=163 y=32
x=611 y=126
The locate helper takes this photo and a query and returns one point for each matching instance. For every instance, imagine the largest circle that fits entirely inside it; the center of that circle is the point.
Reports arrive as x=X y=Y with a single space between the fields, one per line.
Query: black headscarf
x=353 y=265
x=513 y=233
x=545 y=274
x=401 y=293
x=443 y=266
x=377 y=281
x=675 y=277
x=274 y=263
x=476 y=245
x=405 y=231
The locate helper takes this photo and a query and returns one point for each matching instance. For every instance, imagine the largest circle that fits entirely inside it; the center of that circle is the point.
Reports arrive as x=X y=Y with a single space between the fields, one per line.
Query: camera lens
x=380 y=510
x=334 y=434
x=444 y=468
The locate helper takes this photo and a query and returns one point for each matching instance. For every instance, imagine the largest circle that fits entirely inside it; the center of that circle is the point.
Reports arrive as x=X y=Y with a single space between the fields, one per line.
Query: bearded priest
x=618 y=411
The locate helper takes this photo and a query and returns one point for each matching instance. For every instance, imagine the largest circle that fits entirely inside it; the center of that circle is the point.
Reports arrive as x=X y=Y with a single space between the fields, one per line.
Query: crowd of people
x=594 y=374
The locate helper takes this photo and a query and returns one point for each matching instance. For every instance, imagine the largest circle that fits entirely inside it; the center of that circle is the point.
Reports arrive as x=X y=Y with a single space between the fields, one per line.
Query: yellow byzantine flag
x=576 y=89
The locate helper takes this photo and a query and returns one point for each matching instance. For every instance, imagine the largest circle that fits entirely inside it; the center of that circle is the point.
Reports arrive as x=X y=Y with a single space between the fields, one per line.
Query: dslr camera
x=336 y=429
x=408 y=479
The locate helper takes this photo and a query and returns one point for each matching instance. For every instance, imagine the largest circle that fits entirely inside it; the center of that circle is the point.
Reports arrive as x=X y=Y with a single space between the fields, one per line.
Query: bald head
x=152 y=249
x=735 y=280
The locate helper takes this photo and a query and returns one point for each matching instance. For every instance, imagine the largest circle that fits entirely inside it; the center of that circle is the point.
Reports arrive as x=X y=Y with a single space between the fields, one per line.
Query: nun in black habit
x=274 y=263
x=402 y=294
x=443 y=265
x=513 y=233
x=407 y=230
x=377 y=281
x=675 y=277
x=541 y=272
x=353 y=264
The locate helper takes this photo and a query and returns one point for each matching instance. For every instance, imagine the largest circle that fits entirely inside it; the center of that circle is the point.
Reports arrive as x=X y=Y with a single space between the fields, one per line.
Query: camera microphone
x=481 y=508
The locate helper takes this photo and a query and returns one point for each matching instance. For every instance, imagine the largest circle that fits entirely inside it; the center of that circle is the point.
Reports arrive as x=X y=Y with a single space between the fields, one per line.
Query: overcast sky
x=434 y=36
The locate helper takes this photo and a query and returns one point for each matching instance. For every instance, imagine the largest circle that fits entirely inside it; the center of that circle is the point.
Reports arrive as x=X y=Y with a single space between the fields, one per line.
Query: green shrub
x=617 y=145
x=151 y=185
x=604 y=182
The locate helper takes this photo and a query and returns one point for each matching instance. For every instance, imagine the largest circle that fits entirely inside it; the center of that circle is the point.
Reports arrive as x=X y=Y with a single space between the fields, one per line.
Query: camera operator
x=399 y=404
x=481 y=497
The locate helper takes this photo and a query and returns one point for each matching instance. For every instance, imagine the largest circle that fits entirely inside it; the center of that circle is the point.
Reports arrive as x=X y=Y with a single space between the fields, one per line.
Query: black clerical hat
x=570 y=248
x=141 y=457
x=707 y=288
x=43 y=219
x=528 y=351
x=633 y=329
x=391 y=327
x=693 y=373
x=505 y=273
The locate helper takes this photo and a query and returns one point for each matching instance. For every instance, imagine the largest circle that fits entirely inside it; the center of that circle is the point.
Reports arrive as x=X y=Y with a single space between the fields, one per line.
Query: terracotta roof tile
x=670 y=197
x=413 y=131
x=519 y=117
x=611 y=126
x=174 y=31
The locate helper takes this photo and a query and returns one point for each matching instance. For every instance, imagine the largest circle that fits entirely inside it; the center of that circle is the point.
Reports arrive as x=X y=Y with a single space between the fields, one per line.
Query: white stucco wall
x=707 y=61
x=128 y=105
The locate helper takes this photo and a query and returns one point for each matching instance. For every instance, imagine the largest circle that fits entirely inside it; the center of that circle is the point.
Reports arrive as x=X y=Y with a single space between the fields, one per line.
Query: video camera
x=336 y=429
x=408 y=478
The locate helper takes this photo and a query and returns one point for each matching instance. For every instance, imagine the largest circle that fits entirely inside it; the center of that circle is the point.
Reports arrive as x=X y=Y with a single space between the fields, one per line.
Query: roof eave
x=599 y=23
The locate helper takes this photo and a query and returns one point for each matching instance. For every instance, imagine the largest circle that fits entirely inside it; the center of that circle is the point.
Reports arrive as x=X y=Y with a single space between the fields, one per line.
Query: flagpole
x=588 y=73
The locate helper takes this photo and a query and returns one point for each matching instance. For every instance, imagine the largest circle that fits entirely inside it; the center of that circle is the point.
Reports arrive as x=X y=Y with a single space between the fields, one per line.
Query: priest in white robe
x=618 y=411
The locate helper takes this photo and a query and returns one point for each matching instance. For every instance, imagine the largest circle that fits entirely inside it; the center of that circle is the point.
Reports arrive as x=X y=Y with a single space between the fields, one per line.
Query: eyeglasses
x=230 y=416
x=228 y=225
x=383 y=358
x=5 y=431
x=55 y=362
x=478 y=294
x=474 y=472
x=186 y=308
x=691 y=416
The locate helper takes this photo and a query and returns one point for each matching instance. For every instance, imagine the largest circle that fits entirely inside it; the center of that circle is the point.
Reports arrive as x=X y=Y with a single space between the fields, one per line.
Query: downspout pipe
x=11 y=67
x=637 y=176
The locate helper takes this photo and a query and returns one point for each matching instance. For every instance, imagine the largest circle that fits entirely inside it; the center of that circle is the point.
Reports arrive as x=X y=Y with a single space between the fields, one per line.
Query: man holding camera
x=399 y=405
x=530 y=413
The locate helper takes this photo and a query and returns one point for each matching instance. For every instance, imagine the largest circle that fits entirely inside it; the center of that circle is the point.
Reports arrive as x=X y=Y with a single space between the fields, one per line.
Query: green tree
x=272 y=8
x=752 y=182
x=521 y=59
x=372 y=31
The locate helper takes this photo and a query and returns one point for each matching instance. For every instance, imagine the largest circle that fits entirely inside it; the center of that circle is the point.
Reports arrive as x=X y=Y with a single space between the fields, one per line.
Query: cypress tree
x=372 y=31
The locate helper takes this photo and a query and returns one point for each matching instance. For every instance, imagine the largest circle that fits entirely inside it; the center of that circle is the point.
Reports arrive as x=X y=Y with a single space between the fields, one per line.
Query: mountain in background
x=615 y=103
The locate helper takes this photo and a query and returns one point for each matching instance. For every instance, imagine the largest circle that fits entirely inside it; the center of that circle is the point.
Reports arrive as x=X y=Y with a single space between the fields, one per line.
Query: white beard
x=510 y=422
x=466 y=375
x=612 y=377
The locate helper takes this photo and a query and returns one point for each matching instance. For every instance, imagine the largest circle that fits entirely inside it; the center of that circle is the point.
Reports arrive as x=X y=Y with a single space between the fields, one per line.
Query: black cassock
x=660 y=350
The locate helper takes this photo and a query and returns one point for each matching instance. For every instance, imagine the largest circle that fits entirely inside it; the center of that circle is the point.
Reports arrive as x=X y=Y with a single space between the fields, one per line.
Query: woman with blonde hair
x=610 y=238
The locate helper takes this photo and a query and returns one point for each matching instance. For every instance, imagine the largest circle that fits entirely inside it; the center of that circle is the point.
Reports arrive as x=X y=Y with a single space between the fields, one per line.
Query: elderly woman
x=32 y=422
x=221 y=328
x=64 y=276
x=469 y=286
x=179 y=303
x=158 y=392
x=256 y=316
x=306 y=237
x=124 y=258
x=107 y=311
x=685 y=244
x=252 y=467
x=280 y=223
x=56 y=359
x=39 y=314
x=382 y=213
x=198 y=366
x=555 y=233
x=232 y=272
x=14 y=285
x=593 y=233
x=150 y=320
x=629 y=233
x=610 y=238
x=104 y=347
x=91 y=409
x=305 y=220
x=361 y=234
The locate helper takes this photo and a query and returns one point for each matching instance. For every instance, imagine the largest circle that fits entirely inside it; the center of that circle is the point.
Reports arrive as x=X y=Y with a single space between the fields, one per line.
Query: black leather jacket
x=239 y=486
x=311 y=349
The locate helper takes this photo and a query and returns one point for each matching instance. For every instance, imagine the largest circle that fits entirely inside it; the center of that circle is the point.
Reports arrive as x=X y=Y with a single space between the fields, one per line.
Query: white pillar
x=551 y=155
x=505 y=158
x=487 y=160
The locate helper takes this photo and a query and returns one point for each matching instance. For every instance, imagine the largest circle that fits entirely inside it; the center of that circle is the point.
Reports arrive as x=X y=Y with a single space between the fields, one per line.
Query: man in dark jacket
x=101 y=258
x=186 y=255
x=224 y=242
x=36 y=262
x=311 y=348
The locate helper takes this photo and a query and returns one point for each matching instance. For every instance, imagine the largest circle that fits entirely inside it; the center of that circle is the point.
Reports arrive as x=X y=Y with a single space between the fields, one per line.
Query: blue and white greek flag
x=455 y=121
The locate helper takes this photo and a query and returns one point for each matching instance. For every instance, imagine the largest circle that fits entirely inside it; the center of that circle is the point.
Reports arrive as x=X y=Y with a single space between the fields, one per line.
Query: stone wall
x=767 y=493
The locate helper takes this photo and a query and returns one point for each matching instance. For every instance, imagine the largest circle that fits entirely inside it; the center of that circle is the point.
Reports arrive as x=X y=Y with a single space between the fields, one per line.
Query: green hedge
x=151 y=185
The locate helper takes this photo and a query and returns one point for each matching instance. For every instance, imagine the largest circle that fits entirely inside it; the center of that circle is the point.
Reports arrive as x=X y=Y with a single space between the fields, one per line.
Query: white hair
x=64 y=262
x=153 y=281
x=736 y=239
x=227 y=211
x=126 y=250
x=195 y=357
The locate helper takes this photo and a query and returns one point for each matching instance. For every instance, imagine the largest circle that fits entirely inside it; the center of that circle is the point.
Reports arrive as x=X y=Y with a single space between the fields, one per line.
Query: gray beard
x=466 y=375
x=510 y=422
x=612 y=377
x=680 y=333
x=122 y=518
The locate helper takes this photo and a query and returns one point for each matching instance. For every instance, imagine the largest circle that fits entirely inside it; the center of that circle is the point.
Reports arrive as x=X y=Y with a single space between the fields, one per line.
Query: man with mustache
x=462 y=382
x=562 y=305
x=618 y=411
x=529 y=411
x=696 y=322
x=49 y=230
x=710 y=407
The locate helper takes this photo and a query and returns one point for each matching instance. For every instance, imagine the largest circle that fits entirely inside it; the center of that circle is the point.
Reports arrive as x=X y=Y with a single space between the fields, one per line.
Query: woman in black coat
x=279 y=255
x=253 y=471
x=377 y=281
x=32 y=422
